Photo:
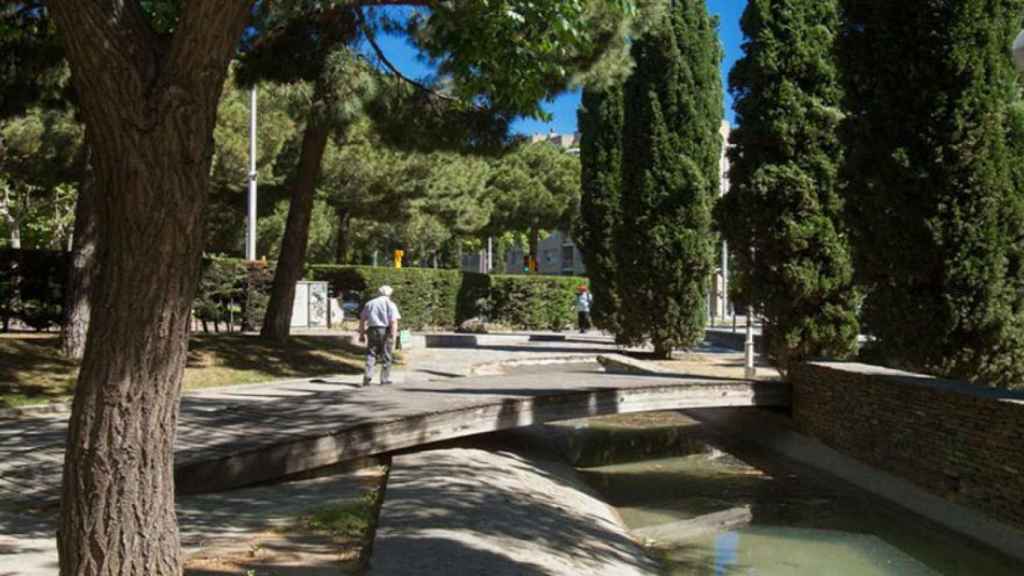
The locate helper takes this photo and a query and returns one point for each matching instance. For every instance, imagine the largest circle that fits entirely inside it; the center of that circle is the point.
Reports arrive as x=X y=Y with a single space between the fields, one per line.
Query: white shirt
x=380 y=312
x=583 y=302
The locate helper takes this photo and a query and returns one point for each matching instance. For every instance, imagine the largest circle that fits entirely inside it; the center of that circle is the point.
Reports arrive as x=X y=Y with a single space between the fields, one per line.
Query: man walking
x=378 y=327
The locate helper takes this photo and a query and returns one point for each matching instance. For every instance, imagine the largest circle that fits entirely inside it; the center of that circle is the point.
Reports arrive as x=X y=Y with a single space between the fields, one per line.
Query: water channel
x=709 y=504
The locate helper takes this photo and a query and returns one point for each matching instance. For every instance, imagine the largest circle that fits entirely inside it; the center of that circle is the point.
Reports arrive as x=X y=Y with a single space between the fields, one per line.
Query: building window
x=568 y=256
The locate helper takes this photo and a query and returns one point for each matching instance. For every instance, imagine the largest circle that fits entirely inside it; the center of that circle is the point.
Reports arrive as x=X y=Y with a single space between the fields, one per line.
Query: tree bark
x=343 y=249
x=150 y=107
x=277 y=322
x=82 y=271
x=534 y=247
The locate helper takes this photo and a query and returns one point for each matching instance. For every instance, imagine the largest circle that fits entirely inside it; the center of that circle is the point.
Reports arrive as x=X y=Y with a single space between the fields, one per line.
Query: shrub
x=233 y=289
x=534 y=302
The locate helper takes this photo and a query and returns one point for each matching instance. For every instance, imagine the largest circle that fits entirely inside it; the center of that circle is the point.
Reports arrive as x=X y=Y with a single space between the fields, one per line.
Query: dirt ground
x=727 y=365
x=324 y=530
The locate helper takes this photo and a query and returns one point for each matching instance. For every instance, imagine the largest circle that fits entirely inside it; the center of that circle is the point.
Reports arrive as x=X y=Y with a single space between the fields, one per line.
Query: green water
x=791 y=520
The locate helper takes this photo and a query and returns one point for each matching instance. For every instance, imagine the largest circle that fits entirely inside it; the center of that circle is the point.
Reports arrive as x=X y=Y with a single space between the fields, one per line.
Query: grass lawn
x=32 y=370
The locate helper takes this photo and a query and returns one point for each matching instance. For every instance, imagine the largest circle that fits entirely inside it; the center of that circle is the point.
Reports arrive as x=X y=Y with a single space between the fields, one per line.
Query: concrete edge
x=622 y=364
x=477 y=369
x=955 y=517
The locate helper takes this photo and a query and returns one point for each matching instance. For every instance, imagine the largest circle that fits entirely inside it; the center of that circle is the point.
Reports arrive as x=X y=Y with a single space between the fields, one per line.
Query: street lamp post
x=1018 y=51
x=250 y=236
x=749 y=367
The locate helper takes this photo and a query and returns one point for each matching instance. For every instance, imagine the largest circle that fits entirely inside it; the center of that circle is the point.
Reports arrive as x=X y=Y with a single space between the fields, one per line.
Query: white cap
x=385 y=290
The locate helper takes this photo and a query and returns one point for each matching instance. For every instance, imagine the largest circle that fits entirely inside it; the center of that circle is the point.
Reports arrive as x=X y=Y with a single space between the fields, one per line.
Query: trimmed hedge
x=534 y=302
x=32 y=291
x=445 y=298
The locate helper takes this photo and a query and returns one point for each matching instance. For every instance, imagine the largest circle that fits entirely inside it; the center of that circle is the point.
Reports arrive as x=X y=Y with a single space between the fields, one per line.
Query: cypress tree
x=783 y=214
x=600 y=123
x=670 y=159
x=934 y=208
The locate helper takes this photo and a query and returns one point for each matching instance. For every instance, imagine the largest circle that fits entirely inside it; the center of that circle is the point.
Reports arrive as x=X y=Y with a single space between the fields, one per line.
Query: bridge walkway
x=242 y=435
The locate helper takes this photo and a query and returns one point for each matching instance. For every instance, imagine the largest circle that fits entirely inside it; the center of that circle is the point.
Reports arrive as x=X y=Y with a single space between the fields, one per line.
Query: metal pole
x=490 y=254
x=725 y=280
x=749 y=370
x=250 y=243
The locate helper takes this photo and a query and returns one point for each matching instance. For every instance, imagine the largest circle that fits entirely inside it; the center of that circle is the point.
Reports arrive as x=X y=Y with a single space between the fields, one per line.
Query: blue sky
x=563 y=108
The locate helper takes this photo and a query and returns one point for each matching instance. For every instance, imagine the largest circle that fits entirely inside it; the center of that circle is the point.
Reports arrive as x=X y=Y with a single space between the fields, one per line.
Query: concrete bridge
x=241 y=435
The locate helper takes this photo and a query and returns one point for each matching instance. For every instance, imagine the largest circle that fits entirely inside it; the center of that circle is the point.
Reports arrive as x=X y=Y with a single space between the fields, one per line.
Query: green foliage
x=600 y=123
x=536 y=187
x=516 y=53
x=534 y=302
x=232 y=289
x=32 y=67
x=783 y=214
x=350 y=520
x=444 y=298
x=322 y=225
x=425 y=297
x=670 y=161
x=936 y=213
x=41 y=163
x=399 y=199
x=229 y=172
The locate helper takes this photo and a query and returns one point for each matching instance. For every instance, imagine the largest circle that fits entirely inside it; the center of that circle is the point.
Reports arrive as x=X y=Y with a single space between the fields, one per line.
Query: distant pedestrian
x=378 y=327
x=583 y=303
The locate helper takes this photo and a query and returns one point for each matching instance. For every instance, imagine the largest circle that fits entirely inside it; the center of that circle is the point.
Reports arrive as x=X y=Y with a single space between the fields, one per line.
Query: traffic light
x=398 y=258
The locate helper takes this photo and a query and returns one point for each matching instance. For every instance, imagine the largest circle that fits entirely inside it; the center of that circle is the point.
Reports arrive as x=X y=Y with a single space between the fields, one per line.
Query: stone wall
x=960 y=442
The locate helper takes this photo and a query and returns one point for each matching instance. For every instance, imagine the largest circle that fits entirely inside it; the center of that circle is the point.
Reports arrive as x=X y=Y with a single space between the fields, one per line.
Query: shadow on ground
x=455 y=504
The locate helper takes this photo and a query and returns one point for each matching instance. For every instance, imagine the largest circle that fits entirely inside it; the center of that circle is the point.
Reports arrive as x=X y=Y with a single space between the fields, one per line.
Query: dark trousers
x=378 y=349
x=583 y=320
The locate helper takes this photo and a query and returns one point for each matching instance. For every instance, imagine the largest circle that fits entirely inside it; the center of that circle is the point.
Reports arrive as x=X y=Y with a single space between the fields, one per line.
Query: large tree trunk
x=343 y=248
x=150 y=106
x=82 y=271
x=277 y=322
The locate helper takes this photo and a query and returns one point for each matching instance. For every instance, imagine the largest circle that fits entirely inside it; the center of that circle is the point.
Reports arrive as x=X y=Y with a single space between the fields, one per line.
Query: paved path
x=473 y=512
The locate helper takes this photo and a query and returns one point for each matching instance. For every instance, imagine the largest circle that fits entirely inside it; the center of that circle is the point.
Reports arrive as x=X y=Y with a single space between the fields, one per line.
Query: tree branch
x=207 y=34
x=394 y=70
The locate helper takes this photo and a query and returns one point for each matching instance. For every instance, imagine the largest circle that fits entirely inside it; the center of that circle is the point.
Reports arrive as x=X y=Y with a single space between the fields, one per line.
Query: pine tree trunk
x=277 y=322
x=663 y=350
x=534 y=247
x=82 y=271
x=343 y=248
x=150 y=106
x=118 y=502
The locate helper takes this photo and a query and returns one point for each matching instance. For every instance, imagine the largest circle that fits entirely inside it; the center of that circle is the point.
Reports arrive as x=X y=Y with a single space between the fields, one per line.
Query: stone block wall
x=960 y=442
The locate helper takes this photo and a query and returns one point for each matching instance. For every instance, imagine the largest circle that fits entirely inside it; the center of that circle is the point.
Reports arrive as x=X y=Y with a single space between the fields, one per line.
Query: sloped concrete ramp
x=472 y=512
